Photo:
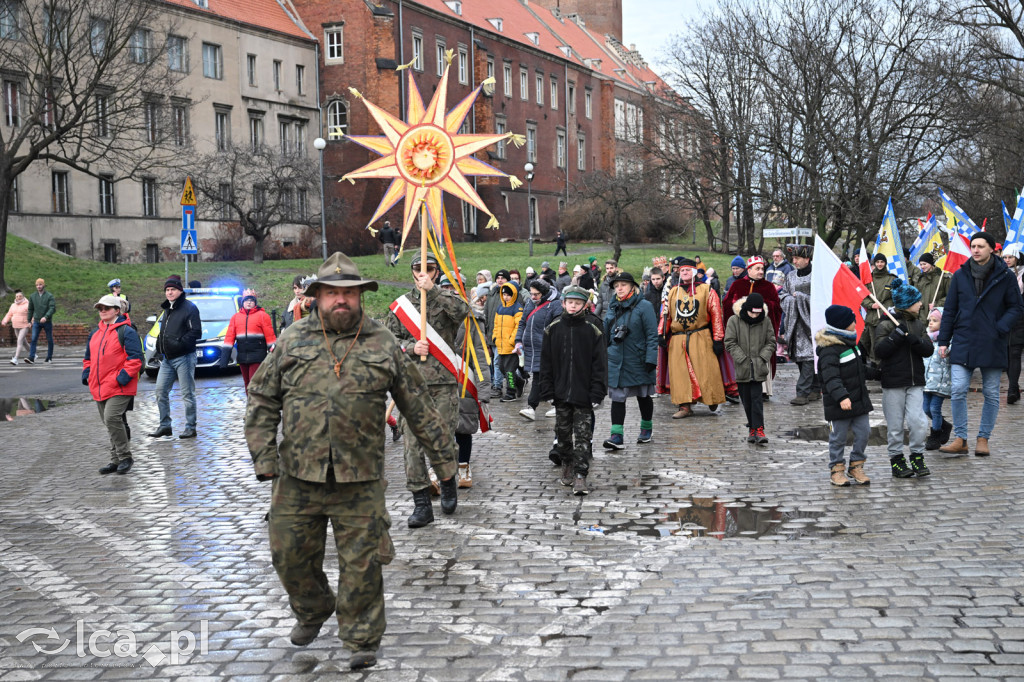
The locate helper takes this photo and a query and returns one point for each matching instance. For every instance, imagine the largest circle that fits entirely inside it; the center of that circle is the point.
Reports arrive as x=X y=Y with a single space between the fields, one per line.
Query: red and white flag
x=959 y=252
x=832 y=283
x=864 y=265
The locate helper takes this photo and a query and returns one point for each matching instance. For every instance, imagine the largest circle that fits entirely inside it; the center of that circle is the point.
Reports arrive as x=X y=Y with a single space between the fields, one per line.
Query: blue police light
x=210 y=351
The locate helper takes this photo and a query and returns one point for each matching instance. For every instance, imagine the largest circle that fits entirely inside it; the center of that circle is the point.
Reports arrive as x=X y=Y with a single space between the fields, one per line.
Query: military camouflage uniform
x=446 y=313
x=329 y=465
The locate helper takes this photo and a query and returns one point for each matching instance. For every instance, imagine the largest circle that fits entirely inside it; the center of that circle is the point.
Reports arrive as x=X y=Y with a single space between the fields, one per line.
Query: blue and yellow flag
x=888 y=244
x=928 y=241
x=961 y=221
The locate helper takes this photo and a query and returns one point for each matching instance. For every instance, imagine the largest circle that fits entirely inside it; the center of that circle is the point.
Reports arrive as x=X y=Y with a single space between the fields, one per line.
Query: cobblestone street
x=695 y=556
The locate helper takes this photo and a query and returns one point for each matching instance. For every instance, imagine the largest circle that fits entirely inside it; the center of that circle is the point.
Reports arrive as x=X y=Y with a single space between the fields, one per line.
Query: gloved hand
x=718 y=347
x=650 y=366
x=899 y=333
x=225 y=358
x=663 y=341
x=85 y=377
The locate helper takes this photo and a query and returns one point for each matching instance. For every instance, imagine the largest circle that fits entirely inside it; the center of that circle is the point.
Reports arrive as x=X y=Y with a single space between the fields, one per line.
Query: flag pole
x=882 y=308
x=935 y=296
x=423 y=271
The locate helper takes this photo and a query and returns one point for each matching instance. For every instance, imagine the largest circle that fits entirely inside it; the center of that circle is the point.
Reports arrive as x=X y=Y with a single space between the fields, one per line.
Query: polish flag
x=832 y=283
x=865 y=265
x=959 y=252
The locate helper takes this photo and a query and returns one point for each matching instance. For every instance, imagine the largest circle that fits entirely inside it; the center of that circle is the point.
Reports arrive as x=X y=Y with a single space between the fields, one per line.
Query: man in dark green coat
x=41 y=307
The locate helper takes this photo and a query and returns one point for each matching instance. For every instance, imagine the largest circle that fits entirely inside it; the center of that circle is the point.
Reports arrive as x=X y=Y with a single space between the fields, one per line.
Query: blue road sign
x=189 y=240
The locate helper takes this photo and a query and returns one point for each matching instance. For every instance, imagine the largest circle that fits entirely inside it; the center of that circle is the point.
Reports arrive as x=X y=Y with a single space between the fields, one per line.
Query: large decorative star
x=425 y=155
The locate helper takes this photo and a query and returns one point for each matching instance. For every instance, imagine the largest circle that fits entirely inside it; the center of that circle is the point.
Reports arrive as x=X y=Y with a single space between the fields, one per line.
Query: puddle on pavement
x=819 y=432
x=11 y=408
x=727 y=517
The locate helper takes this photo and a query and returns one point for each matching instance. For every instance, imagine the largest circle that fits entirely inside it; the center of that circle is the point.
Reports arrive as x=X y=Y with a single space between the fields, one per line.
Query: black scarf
x=751 y=302
x=981 y=273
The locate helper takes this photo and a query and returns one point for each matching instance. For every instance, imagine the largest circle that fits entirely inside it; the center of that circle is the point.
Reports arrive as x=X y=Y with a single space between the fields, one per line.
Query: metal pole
x=529 y=211
x=323 y=210
x=186 y=269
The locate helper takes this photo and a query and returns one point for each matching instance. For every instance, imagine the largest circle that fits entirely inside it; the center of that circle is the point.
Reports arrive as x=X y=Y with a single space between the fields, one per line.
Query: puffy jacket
x=976 y=328
x=751 y=346
x=180 y=328
x=631 y=362
x=253 y=331
x=17 y=315
x=530 y=332
x=902 y=351
x=938 y=376
x=41 y=305
x=843 y=375
x=110 y=368
x=574 y=361
x=506 y=320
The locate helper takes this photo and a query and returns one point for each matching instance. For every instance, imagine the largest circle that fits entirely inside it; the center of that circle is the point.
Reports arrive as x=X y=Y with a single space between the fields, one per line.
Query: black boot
x=900 y=468
x=932 y=441
x=918 y=465
x=423 y=513
x=1012 y=395
x=449 y=495
x=947 y=431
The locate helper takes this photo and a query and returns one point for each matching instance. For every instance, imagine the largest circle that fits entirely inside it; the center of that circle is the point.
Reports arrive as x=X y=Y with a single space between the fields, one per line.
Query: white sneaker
x=14 y=361
x=551 y=412
x=528 y=413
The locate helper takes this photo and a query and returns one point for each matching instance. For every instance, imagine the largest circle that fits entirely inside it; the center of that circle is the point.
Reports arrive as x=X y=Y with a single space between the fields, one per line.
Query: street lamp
x=320 y=144
x=529 y=204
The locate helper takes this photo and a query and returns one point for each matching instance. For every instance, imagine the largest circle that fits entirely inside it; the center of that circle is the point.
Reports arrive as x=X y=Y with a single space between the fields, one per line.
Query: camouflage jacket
x=446 y=312
x=327 y=421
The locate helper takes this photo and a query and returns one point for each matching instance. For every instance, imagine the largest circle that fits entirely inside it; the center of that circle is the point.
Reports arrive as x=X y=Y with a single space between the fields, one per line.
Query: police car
x=216 y=306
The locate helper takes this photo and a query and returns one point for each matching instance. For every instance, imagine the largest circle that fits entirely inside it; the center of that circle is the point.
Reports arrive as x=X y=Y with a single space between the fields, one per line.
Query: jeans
x=861 y=427
x=933 y=409
x=753 y=403
x=48 y=328
x=990 y=377
x=807 y=383
x=905 y=404
x=184 y=370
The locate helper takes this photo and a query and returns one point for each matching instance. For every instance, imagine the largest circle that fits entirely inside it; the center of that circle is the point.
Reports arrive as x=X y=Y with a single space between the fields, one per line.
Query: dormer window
x=202 y=3
x=534 y=37
x=497 y=23
x=566 y=50
x=455 y=6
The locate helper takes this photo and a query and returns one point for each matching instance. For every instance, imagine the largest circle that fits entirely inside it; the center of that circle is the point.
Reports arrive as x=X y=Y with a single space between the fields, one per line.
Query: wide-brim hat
x=339 y=271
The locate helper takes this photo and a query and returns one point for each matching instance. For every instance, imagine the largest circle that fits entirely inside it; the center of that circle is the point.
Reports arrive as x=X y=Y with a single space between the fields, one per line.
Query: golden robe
x=696 y=320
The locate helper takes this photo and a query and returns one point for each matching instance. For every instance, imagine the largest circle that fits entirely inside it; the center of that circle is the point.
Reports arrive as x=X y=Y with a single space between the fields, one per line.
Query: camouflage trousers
x=299 y=513
x=446 y=400
x=574 y=428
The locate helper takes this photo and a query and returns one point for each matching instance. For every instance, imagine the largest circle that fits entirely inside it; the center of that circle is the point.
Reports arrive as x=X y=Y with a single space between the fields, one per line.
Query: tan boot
x=839 y=475
x=465 y=476
x=958 y=447
x=683 y=413
x=856 y=472
x=980 y=448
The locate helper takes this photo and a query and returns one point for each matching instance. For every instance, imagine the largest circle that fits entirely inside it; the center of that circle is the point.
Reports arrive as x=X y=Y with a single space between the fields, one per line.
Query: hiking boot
x=108 y=469
x=160 y=432
x=932 y=441
x=363 y=658
x=435 y=484
x=856 y=472
x=529 y=413
x=752 y=438
x=683 y=413
x=579 y=486
x=423 y=512
x=957 y=447
x=981 y=448
x=838 y=476
x=814 y=396
x=125 y=465
x=918 y=465
x=449 y=495
x=947 y=430
x=465 y=476
x=555 y=458
x=614 y=442
x=567 y=476
x=761 y=438
x=645 y=436
x=799 y=400
x=302 y=635
x=496 y=392
x=900 y=468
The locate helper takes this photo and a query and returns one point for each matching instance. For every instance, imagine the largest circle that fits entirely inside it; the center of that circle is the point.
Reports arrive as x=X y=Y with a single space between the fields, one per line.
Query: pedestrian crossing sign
x=188 y=195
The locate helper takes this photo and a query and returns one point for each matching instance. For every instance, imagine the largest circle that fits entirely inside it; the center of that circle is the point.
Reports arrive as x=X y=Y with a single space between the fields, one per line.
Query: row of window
x=629 y=121
x=252 y=74
x=561 y=147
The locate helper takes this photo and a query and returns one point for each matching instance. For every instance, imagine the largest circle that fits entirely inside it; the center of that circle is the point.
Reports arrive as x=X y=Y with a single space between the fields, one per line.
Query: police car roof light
x=214 y=290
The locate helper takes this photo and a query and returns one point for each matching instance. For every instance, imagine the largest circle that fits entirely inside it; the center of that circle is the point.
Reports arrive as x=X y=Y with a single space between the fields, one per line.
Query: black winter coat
x=902 y=351
x=180 y=328
x=843 y=375
x=574 y=361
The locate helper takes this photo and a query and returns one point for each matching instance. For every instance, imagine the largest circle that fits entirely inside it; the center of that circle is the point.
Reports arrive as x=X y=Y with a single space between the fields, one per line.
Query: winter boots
x=918 y=465
x=838 y=476
x=957 y=447
x=900 y=468
x=933 y=440
x=465 y=476
x=449 y=495
x=856 y=472
x=980 y=448
x=423 y=512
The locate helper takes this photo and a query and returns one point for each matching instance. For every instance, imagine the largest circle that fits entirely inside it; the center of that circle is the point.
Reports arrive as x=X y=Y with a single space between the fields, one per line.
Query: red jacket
x=110 y=369
x=254 y=331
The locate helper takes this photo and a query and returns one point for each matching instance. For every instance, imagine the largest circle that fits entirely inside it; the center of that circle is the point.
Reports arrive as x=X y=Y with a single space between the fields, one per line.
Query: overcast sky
x=650 y=23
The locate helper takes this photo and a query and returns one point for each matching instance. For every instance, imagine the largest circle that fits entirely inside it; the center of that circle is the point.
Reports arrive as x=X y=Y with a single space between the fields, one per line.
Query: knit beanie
x=879 y=257
x=175 y=283
x=754 y=300
x=738 y=262
x=927 y=258
x=839 y=316
x=904 y=295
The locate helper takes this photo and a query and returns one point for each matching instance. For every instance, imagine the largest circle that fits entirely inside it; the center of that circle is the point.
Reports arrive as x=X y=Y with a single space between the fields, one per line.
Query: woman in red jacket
x=113 y=360
x=252 y=330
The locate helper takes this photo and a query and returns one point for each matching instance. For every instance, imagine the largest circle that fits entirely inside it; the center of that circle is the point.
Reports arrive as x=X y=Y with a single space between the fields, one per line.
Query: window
x=499 y=128
x=468 y=218
x=300 y=137
x=284 y=131
x=463 y=66
x=61 y=195
x=588 y=97
x=417 y=51
x=534 y=222
x=440 y=48
x=12 y=103
x=490 y=67
x=177 y=53
x=277 y=75
x=152 y=253
x=67 y=248
x=508 y=80
x=57 y=28
x=202 y=3
x=524 y=84
x=337 y=119
x=106 y=194
x=259 y=198
x=334 y=50
x=581 y=153
x=539 y=87
x=9 y=17
x=140 y=47
x=301 y=204
x=554 y=92
x=97 y=35
x=102 y=122
x=110 y=252
x=286 y=201
x=620 y=120
x=250 y=68
x=300 y=79
x=531 y=142
x=13 y=200
x=151 y=114
x=560 y=149
x=149 y=204
x=213 y=61
x=224 y=194
x=256 y=131
x=222 y=130
x=570 y=98
x=48 y=108
x=179 y=119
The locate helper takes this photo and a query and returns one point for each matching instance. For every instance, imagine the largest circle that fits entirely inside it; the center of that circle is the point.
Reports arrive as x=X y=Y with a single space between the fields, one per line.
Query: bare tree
x=259 y=189
x=85 y=86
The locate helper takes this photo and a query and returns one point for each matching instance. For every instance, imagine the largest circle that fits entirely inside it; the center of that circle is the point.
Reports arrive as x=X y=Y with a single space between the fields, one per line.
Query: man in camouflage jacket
x=327 y=381
x=446 y=313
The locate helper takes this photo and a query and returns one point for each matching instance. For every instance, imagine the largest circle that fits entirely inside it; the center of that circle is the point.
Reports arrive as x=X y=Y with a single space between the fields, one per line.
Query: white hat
x=109 y=301
x=578 y=268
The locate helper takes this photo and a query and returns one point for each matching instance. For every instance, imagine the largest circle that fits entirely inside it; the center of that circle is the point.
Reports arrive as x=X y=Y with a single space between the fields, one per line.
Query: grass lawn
x=78 y=284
